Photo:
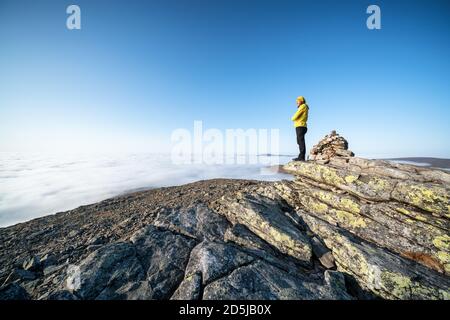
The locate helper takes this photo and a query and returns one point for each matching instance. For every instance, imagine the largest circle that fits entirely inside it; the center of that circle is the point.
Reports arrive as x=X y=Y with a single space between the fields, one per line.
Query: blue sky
x=137 y=70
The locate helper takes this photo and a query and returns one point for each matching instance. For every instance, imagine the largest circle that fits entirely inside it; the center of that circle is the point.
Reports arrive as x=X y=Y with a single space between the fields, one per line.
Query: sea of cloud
x=34 y=185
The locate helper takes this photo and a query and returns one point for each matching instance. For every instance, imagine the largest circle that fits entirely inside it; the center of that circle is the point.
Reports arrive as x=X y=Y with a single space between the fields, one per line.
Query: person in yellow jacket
x=300 y=118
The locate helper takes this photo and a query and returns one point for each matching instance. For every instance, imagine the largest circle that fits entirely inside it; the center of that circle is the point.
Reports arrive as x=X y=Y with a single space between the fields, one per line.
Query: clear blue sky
x=137 y=70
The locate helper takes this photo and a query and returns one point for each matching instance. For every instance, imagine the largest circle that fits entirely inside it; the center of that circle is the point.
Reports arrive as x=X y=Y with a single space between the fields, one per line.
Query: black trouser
x=301 y=131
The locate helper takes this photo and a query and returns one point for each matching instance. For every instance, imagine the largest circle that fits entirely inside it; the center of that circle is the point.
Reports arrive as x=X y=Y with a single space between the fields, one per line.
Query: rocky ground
x=350 y=228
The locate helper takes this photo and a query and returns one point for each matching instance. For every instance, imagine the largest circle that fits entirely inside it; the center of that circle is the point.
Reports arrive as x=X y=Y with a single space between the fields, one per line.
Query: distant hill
x=432 y=162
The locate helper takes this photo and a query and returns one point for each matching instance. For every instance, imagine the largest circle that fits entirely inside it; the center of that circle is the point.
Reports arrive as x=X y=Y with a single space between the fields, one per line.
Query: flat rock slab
x=189 y=289
x=265 y=218
x=430 y=197
x=198 y=222
x=261 y=281
x=108 y=268
x=389 y=225
x=214 y=260
x=164 y=256
x=380 y=271
x=257 y=247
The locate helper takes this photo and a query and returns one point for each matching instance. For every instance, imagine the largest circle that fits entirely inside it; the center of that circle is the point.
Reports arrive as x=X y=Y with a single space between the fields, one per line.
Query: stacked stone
x=332 y=145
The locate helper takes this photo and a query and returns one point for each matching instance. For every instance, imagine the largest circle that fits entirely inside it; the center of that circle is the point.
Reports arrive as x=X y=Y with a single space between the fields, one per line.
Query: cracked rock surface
x=352 y=228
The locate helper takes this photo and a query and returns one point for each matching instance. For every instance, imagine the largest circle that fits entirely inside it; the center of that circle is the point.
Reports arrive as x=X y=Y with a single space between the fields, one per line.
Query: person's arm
x=299 y=112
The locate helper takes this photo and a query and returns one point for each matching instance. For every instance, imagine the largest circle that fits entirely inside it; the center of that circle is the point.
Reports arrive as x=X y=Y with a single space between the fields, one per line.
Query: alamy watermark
x=73 y=21
x=373 y=22
x=229 y=146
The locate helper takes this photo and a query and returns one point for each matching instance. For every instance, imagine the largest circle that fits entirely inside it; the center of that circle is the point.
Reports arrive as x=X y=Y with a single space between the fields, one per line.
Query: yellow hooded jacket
x=301 y=116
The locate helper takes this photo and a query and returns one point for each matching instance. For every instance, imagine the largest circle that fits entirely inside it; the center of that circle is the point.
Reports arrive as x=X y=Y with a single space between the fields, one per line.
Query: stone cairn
x=332 y=145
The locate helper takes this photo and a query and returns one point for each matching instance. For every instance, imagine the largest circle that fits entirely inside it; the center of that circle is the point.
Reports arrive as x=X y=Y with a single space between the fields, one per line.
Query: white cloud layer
x=34 y=185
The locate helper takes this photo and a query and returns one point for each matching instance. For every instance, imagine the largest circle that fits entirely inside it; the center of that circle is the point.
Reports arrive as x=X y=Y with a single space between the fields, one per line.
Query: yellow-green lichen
x=415 y=215
x=189 y=277
x=420 y=218
x=379 y=184
x=432 y=199
x=318 y=207
x=324 y=196
x=337 y=201
x=350 y=205
x=404 y=211
x=283 y=241
x=397 y=284
x=351 y=178
x=444 y=294
x=420 y=291
x=443 y=257
x=447 y=268
x=442 y=242
x=348 y=218
x=330 y=176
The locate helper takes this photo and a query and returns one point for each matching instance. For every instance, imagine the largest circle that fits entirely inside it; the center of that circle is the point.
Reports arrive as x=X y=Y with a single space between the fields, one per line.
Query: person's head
x=300 y=101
